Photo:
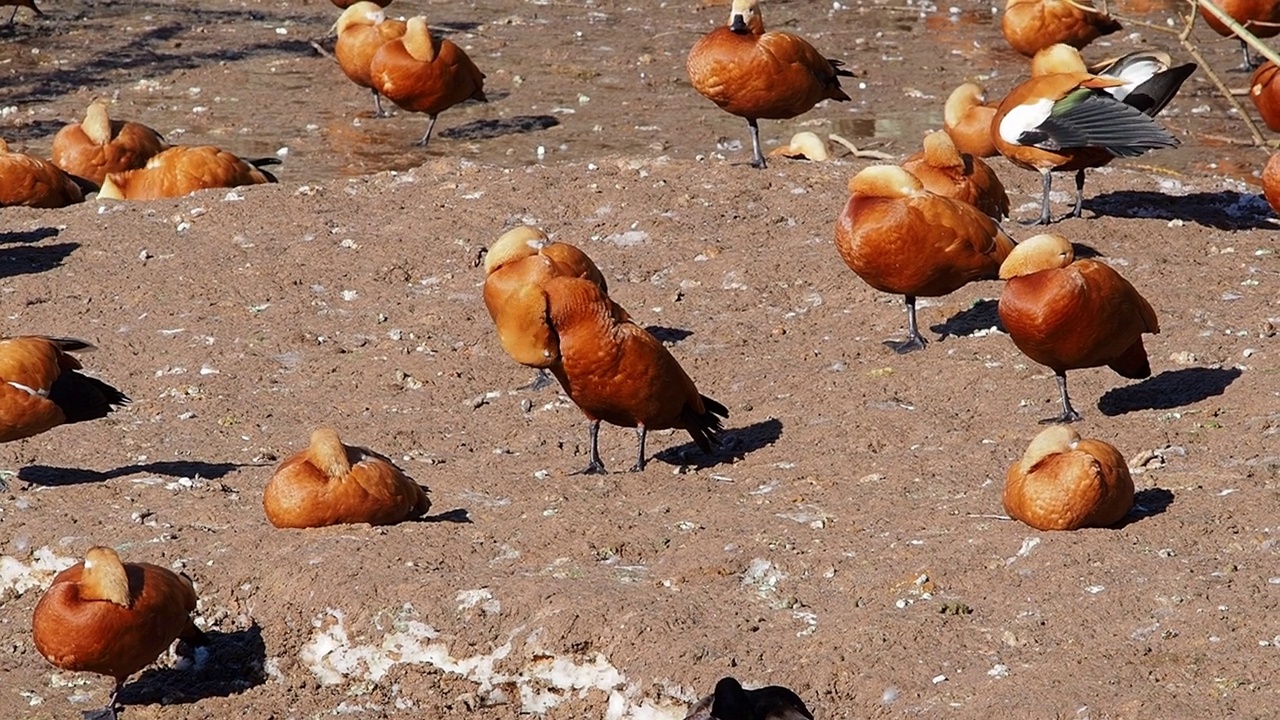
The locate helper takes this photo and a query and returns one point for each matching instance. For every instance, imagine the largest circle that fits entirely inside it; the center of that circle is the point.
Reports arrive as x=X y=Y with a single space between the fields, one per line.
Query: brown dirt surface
x=846 y=540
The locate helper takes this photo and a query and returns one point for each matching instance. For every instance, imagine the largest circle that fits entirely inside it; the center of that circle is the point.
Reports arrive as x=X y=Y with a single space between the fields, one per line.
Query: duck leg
x=915 y=341
x=541 y=380
x=1244 y=48
x=596 y=465
x=757 y=157
x=378 y=112
x=1047 y=184
x=1079 y=208
x=1069 y=414
x=640 y=435
x=14 y=14
x=430 y=125
x=108 y=712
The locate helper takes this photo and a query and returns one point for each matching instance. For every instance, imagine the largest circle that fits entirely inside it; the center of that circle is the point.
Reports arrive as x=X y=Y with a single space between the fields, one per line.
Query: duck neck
x=104 y=578
x=97 y=125
x=418 y=41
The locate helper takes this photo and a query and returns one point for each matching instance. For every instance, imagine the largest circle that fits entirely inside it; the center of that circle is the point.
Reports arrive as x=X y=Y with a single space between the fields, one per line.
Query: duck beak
x=739 y=24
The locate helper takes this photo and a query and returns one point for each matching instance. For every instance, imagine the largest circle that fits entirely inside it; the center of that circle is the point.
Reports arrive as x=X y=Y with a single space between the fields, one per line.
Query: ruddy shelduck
x=1064 y=118
x=967 y=119
x=344 y=4
x=41 y=387
x=1032 y=25
x=944 y=170
x=421 y=73
x=1264 y=91
x=34 y=182
x=616 y=372
x=330 y=483
x=1260 y=17
x=1271 y=182
x=902 y=239
x=182 y=170
x=804 y=145
x=761 y=75
x=1068 y=314
x=363 y=28
x=1064 y=482
x=99 y=145
x=515 y=267
x=730 y=701
x=112 y=618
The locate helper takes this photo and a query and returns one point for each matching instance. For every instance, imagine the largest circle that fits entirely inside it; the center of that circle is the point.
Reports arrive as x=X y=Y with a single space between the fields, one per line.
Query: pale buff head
x=940 y=151
x=886 y=181
x=104 y=577
x=744 y=16
x=113 y=186
x=97 y=123
x=1042 y=252
x=967 y=95
x=361 y=13
x=1058 y=58
x=418 y=41
x=1053 y=440
x=329 y=454
x=515 y=244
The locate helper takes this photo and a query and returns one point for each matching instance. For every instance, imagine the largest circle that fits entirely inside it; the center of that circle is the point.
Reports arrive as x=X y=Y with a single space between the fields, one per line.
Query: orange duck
x=1064 y=118
x=944 y=170
x=902 y=239
x=41 y=387
x=1068 y=314
x=1271 y=182
x=28 y=4
x=758 y=75
x=363 y=28
x=422 y=74
x=30 y=181
x=1032 y=25
x=1065 y=483
x=515 y=268
x=344 y=4
x=98 y=145
x=617 y=372
x=1259 y=17
x=331 y=484
x=182 y=170
x=1264 y=91
x=112 y=618
x=967 y=119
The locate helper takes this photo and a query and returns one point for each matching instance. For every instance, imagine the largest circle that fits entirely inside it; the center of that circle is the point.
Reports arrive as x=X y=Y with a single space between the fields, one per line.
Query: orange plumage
x=344 y=4
x=902 y=239
x=422 y=74
x=1065 y=483
x=1271 y=182
x=31 y=181
x=516 y=267
x=1259 y=17
x=1032 y=25
x=182 y=170
x=1068 y=314
x=41 y=387
x=618 y=373
x=112 y=618
x=1264 y=91
x=967 y=119
x=761 y=75
x=944 y=170
x=330 y=484
x=99 y=145
x=363 y=28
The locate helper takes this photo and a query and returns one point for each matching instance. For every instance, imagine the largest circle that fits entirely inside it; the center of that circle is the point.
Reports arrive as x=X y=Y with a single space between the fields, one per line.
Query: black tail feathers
x=84 y=398
x=705 y=428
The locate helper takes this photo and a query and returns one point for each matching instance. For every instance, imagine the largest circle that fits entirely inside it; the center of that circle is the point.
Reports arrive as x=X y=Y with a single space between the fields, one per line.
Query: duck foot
x=541 y=380
x=1066 y=418
x=902 y=347
x=595 y=468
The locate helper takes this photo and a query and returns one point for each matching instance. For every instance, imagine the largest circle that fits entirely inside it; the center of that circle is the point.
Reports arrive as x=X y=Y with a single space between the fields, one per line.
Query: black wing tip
x=69 y=344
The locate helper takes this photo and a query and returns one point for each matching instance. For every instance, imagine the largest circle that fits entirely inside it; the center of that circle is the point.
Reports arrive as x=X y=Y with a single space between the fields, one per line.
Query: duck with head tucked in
x=902 y=239
x=113 y=618
x=34 y=182
x=182 y=170
x=1068 y=314
x=1064 y=482
x=41 y=387
x=967 y=119
x=362 y=29
x=761 y=75
x=423 y=74
x=944 y=170
x=1032 y=25
x=329 y=483
x=99 y=145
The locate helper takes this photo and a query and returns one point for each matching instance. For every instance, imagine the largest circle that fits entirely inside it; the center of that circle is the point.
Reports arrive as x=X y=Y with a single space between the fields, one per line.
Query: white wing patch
x=28 y=390
x=1027 y=116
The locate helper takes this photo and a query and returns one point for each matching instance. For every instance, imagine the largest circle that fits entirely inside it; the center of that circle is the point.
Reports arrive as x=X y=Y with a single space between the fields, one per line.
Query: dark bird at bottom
x=731 y=701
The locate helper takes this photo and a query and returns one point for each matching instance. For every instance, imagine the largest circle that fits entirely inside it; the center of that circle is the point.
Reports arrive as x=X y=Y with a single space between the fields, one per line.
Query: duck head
x=1042 y=252
x=744 y=17
x=515 y=244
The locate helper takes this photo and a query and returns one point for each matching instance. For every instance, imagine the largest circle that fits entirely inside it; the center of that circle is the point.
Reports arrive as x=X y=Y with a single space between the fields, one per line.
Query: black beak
x=739 y=24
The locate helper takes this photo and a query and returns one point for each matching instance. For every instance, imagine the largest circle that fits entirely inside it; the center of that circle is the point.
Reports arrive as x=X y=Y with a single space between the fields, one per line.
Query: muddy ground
x=845 y=542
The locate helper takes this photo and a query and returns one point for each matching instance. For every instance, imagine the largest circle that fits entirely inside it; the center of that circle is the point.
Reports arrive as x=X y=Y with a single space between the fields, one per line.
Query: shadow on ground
x=1224 y=210
x=47 y=476
x=735 y=444
x=984 y=315
x=1146 y=503
x=1170 y=389
x=230 y=664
